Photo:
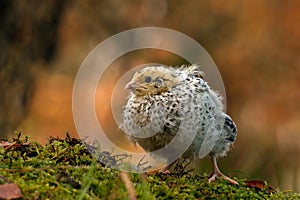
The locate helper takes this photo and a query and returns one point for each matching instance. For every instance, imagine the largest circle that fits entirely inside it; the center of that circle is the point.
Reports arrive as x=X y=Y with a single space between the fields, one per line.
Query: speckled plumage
x=165 y=101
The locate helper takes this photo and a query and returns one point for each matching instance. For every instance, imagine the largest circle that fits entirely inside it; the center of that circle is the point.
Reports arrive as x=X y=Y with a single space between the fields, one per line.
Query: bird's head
x=153 y=81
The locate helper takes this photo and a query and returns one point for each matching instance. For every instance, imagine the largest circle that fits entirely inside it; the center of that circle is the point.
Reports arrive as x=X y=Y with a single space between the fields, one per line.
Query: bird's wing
x=230 y=128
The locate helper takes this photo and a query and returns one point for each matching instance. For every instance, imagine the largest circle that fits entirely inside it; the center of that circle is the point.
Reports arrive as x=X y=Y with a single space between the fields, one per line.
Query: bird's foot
x=165 y=172
x=213 y=177
x=161 y=171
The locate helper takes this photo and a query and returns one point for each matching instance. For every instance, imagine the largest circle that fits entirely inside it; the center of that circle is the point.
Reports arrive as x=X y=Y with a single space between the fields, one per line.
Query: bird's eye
x=159 y=81
x=148 y=79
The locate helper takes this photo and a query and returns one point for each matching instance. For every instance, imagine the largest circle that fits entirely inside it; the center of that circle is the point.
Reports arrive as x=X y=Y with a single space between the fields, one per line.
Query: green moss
x=64 y=169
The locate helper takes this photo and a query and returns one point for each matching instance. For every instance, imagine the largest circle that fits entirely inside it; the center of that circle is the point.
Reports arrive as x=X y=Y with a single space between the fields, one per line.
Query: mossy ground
x=64 y=169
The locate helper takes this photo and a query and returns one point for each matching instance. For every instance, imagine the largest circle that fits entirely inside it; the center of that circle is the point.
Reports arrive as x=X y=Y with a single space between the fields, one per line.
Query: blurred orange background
x=255 y=45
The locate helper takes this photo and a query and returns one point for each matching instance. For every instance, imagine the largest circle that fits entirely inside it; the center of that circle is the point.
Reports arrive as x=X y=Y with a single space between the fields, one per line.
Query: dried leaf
x=258 y=184
x=255 y=184
x=10 y=191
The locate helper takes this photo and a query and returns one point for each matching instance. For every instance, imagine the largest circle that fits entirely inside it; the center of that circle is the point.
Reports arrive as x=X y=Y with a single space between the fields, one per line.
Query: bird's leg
x=217 y=173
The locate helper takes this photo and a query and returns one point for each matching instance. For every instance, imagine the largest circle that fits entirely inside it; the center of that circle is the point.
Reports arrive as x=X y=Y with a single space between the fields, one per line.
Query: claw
x=213 y=177
x=165 y=172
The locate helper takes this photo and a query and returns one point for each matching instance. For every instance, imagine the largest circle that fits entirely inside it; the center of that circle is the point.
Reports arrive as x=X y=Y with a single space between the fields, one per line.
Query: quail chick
x=165 y=101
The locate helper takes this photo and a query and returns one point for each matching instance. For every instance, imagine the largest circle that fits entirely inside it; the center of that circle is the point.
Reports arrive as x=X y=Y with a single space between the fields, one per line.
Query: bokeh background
x=255 y=45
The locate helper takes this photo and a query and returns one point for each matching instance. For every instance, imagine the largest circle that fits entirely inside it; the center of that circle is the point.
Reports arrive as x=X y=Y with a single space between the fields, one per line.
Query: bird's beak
x=132 y=85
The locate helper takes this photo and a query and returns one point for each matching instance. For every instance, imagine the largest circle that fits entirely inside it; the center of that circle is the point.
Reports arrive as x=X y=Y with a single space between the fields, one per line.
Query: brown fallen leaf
x=10 y=191
x=258 y=184
x=255 y=184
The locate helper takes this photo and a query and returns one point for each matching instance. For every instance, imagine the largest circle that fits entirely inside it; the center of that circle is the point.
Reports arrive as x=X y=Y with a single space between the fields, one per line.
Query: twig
x=128 y=184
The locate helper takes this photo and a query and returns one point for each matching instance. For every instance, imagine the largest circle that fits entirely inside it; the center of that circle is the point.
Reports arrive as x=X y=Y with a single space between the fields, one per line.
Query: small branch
x=128 y=184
